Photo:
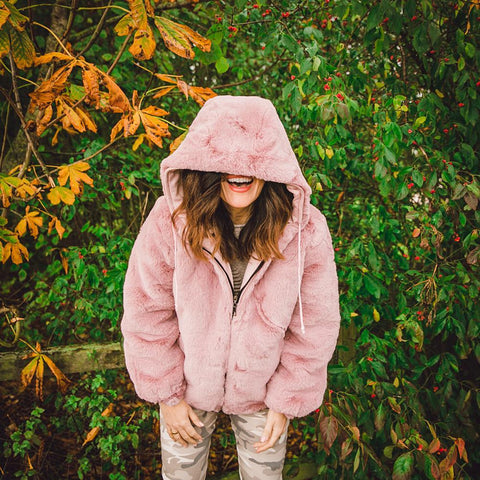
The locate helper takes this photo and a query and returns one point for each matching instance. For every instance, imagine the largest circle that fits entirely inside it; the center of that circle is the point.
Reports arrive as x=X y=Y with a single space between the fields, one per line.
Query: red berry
x=410 y=185
x=445 y=130
x=255 y=5
x=478 y=84
x=263 y=47
x=460 y=104
x=285 y=14
x=373 y=395
x=432 y=190
x=410 y=130
x=326 y=87
x=292 y=77
x=414 y=18
x=340 y=97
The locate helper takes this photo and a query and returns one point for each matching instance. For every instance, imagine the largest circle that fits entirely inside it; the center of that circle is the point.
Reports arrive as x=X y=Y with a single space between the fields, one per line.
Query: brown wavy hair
x=207 y=217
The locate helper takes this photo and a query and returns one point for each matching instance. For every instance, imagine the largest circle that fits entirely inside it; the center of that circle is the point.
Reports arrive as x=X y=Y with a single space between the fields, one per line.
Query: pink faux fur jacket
x=181 y=337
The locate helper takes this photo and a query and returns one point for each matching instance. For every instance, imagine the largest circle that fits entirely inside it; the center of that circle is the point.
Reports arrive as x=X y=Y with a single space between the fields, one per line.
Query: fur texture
x=180 y=337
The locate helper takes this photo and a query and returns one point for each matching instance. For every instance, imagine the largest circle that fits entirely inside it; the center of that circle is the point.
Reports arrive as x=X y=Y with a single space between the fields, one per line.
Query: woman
x=231 y=298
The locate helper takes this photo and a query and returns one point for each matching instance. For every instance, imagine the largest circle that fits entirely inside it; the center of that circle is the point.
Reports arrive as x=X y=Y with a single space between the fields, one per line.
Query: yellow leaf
x=167 y=77
x=16 y=19
x=143 y=46
x=62 y=380
x=164 y=90
x=376 y=315
x=117 y=128
x=155 y=128
x=4 y=43
x=179 y=38
x=55 y=223
x=23 y=50
x=200 y=94
x=90 y=80
x=439 y=93
x=30 y=220
x=138 y=142
x=131 y=123
x=4 y=14
x=117 y=100
x=329 y=152
x=94 y=431
x=396 y=382
x=16 y=251
x=49 y=57
x=61 y=194
x=75 y=173
x=138 y=13
x=354 y=314
x=174 y=145
x=125 y=26
x=51 y=88
x=44 y=120
x=28 y=372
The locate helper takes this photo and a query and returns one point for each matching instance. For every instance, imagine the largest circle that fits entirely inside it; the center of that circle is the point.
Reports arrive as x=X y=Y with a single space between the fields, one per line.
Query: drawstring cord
x=174 y=266
x=299 y=275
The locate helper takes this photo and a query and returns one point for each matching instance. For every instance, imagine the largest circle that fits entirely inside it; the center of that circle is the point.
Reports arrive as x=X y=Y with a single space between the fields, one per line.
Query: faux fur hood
x=239 y=135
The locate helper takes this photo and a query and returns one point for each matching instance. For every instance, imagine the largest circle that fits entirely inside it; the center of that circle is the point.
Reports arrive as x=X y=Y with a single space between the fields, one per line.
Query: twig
x=97 y=31
x=120 y=53
x=54 y=35
x=71 y=17
x=4 y=140
x=29 y=138
x=26 y=163
x=108 y=145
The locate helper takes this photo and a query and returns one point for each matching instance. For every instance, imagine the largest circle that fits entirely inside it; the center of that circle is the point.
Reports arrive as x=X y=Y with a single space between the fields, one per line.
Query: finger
x=194 y=418
x=267 y=431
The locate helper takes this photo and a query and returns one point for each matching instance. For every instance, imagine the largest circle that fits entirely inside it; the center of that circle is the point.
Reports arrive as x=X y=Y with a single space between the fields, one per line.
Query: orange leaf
x=16 y=251
x=117 y=100
x=174 y=145
x=30 y=220
x=143 y=46
x=50 y=89
x=90 y=80
x=183 y=87
x=70 y=118
x=460 y=443
x=75 y=173
x=179 y=38
x=131 y=123
x=117 y=128
x=168 y=78
x=44 y=120
x=155 y=128
x=61 y=194
x=25 y=188
x=48 y=57
x=138 y=13
x=55 y=223
x=86 y=119
x=164 y=90
x=434 y=445
x=416 y=232
x=200 y=94
x=94 y=431
x=62 y=380
x=125 y=26
x=28 y=372
x=4 y=14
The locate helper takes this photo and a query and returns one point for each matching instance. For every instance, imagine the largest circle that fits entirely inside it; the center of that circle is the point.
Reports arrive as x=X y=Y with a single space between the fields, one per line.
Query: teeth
x=242 y=180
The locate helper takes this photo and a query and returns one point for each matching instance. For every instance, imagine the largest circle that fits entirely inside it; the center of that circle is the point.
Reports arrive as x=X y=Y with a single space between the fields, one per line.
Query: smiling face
x=238 y=193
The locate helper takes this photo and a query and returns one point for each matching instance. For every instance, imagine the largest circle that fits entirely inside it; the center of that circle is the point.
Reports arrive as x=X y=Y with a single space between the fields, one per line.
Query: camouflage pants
x=190 y=463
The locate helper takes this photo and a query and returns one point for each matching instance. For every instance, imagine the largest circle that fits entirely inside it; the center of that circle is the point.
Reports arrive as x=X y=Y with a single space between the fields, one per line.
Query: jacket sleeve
x=298 y=385
x=149 y=325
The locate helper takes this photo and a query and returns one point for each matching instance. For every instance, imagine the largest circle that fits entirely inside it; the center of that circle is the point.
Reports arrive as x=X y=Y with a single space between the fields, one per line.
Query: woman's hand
x=178 y=421
x=275 y=426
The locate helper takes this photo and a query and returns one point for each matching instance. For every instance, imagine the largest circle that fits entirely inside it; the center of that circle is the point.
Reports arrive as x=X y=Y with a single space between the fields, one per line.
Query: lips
x=239 y=183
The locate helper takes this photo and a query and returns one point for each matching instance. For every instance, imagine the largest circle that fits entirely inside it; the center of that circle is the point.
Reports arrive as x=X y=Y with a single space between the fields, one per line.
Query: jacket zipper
x=235 y=296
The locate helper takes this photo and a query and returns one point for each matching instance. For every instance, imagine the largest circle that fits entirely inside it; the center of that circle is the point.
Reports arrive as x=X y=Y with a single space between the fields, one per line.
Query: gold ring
x=174 y=433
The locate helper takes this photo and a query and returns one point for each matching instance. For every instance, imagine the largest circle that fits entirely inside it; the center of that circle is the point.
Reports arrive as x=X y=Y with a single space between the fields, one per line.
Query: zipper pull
x=235 y=302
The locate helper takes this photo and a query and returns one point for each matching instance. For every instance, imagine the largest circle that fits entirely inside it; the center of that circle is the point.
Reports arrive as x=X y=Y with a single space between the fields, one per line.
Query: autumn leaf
x=164 y=90
x=16 y=19
x=16 y=251
x=4 y=43
x=6 y=185
x=61 y=194
x=328 y=426
x=165 y=77
x=75 y=173
x=55 y=223
x=32 y=220
x=138 y=13
x=35 y=368
x=175 y=144
x=23 y=50
x=155 y=128
x=49 y=57
x=90 y=78
x=95 y=430
x=125 y=26
x=74 y=117
x=200 y=94
x=117 y=100
x=51 y=88
x=179 y=38
x=143 y=46
x=44 y=120
x=4 y=14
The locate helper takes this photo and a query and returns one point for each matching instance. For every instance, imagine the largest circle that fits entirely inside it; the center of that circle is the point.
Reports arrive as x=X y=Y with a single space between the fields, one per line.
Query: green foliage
x=381 y=101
